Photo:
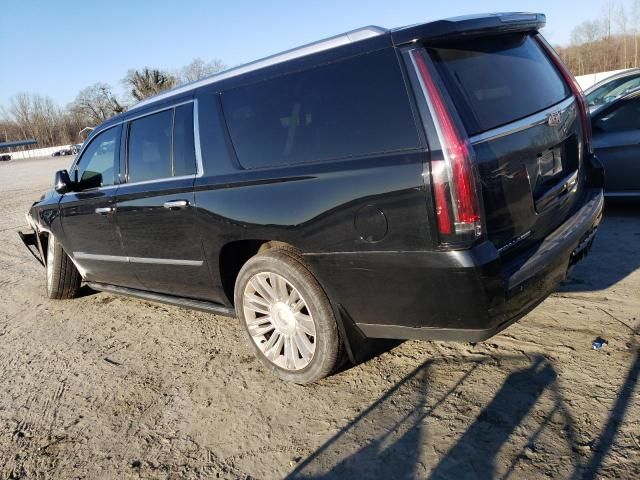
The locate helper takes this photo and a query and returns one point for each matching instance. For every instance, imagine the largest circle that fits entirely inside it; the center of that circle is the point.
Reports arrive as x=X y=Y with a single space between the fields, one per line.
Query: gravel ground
x=105 y=386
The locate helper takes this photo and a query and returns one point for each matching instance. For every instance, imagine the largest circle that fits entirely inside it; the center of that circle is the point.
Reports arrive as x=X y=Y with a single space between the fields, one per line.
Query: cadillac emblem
x=554 y=119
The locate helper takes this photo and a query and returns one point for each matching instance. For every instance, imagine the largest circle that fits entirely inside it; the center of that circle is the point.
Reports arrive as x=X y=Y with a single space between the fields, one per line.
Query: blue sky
x=56 y=48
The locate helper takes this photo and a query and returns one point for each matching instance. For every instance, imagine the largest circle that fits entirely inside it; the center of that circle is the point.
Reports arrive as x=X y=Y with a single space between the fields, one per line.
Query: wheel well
x=234 y=255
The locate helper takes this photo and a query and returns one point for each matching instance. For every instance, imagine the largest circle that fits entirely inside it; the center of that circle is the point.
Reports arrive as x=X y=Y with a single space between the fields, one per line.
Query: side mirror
x=62 y=183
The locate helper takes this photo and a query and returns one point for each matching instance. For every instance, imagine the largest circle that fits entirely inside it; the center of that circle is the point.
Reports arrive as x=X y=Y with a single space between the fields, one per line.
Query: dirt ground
x=112 y=387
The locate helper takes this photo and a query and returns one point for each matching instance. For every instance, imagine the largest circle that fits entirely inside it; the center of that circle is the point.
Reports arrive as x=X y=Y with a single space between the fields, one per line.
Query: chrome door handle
x=104 y=210
x=175 y=204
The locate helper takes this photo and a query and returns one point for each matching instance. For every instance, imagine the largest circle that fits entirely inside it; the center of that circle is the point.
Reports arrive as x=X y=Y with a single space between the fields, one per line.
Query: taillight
x=575 y=90
x=453 y=181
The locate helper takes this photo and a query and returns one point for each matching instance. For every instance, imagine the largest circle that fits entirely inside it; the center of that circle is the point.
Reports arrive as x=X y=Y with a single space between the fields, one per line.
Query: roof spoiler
x=471 y=26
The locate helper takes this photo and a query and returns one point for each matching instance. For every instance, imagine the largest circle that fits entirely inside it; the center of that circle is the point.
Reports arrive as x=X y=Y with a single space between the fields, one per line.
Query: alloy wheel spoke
x=258 y=321
x=305 y=323
x=258 y=330
x=256 y=300
x=263 y=288
x=255 y=304
x=304 y=346
x=298 y=305
x=266 y=346
x=294 y=297
x=290 y=353
x=274 y=351
x=279 y=287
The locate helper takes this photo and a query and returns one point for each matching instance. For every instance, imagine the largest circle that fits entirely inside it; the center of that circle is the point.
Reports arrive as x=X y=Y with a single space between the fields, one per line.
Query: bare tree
x=588 y=31
x=198 y=69
x=635 y=25
x=35 y=116
x=96 y=104
x=147 y=82
x=607 y=16
x=622 y=23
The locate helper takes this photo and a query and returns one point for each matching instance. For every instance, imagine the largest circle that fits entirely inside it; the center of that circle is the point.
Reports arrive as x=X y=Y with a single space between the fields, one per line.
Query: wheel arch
x=234 y=255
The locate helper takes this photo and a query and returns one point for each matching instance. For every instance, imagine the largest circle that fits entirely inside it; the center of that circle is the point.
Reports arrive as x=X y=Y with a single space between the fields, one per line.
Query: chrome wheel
x=279 y=321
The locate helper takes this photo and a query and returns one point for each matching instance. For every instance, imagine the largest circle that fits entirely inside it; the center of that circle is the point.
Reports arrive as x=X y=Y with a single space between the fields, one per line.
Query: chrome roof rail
x=304 y=50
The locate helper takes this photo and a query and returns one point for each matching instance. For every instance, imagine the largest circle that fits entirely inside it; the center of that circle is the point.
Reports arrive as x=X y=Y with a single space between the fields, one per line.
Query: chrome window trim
x=158 y=110
x=196 y=140
x=298 y=52
x=157 y=180
x=146 y=260
x=522 y=124
x=100 y=189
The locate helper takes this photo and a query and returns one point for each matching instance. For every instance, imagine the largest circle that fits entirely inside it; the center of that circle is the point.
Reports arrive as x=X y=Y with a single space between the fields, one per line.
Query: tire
x=288 y=320
x=63 y=278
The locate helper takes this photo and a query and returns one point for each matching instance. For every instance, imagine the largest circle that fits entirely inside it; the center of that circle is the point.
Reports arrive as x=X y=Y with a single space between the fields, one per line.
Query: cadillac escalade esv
x=429 y=182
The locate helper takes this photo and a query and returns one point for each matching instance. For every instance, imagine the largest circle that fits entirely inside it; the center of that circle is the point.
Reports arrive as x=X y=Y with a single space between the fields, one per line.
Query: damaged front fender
x=33 y=241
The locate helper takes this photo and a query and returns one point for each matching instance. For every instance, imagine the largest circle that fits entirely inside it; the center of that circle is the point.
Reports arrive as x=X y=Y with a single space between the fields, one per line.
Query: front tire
x=63 y=278
x=287 y=318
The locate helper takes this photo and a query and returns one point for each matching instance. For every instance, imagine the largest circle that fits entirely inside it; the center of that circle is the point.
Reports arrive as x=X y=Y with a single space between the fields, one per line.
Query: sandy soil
x=106 y=386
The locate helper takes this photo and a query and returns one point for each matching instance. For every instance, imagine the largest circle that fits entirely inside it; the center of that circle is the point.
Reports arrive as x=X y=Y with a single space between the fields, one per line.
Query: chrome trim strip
x=165 y=261
x=146 y=114
x=103 y=258
x=145 y=260
x=157 y=180
x=622 y=194
x=196 y=138
x=298 y=52
x=522 y=124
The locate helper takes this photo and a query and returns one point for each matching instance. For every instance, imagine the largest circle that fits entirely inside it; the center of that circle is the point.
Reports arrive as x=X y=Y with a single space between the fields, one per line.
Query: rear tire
x=63 y=278
x=287 y=318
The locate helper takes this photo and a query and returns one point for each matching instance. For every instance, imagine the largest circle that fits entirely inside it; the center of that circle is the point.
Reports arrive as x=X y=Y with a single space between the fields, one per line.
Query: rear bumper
x=462 y=295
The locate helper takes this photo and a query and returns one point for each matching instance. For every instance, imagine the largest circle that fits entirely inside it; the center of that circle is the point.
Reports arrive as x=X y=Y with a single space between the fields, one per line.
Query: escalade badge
x=554 y=119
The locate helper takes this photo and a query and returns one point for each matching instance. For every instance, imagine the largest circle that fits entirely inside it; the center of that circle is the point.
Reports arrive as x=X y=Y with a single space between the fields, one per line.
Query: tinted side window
x=352 y=107
x=184 y=155
x=494 y=81
x=625 y=117
x=96 y=167
x=149 y=147
x=612 y=90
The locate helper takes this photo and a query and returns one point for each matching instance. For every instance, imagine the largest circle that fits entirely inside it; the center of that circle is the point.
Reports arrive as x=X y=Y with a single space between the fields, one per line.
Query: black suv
x=430 y=182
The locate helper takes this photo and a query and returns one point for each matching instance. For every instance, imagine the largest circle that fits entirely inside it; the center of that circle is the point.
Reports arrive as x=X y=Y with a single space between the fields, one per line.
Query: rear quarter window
x=352 y=107
x=497 y=80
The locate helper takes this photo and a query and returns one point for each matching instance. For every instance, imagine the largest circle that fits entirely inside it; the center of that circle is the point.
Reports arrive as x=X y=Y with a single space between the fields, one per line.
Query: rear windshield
x=494 y=81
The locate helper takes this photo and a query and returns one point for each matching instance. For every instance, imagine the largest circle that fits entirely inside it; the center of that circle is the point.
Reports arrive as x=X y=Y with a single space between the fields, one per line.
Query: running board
x=201 y=305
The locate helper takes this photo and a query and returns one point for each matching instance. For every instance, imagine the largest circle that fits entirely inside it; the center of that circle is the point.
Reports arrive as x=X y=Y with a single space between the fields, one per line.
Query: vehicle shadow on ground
x=615 y=253
x=390 y=439
x=86 y=291
x=624 y=398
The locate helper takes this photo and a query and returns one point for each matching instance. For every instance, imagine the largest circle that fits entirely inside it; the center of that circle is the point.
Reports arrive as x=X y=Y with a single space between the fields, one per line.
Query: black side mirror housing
x=62 y=183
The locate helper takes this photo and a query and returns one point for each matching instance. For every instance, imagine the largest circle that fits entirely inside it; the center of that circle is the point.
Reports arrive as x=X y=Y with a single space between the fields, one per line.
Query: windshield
x=612 y=90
